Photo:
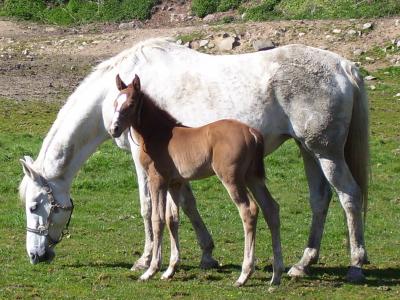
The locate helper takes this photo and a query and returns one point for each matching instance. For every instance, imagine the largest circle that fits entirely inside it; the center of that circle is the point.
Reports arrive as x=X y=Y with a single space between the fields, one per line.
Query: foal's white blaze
x=119 y=102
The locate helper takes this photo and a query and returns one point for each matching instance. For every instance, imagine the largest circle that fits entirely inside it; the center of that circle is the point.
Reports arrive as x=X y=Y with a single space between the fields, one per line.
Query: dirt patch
x=47 y=62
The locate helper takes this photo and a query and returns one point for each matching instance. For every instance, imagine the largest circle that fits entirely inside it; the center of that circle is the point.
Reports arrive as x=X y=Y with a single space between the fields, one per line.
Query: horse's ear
x=120 y=84
x=27 y=167
x=136 y=83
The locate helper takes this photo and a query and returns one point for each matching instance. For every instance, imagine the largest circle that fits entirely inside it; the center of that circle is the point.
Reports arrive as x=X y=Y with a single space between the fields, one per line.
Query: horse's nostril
x=34 y=258
x=116 y=128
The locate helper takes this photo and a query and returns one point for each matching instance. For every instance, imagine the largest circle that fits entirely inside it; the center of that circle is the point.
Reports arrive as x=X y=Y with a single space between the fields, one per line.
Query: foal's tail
x=258 y=161
x=357 y=145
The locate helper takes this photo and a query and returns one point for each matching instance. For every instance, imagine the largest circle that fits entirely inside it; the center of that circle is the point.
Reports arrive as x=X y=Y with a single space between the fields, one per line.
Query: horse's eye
x=33 y=208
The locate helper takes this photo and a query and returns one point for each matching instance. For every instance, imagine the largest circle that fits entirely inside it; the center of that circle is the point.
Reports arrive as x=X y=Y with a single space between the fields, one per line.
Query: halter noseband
x=44 y=230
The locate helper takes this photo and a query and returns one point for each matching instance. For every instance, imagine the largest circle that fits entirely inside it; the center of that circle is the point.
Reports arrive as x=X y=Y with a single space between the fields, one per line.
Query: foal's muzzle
x=115 y=131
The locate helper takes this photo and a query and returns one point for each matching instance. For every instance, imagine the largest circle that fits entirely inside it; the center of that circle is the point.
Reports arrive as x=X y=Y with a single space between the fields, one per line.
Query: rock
x=336 y=31
x=187 y=44
x=397 y=95
x=179 y=42
x=369 y=77
x=25 y=52
x=244 y=15
x=131 y=25
x=397 y=23
x=210 y=18
x=358 y=52
x=302 y=34
x=203 y=43
x=50 y=29
x=351 y=32
x=210 y=45
x=194 y=45
x=260 y=45
x=372 y=87
x=225 y=44
x=367 y=58
x=367 y=26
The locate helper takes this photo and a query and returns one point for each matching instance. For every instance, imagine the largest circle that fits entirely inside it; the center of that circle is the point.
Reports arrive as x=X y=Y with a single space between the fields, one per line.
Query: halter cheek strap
x=44 y=230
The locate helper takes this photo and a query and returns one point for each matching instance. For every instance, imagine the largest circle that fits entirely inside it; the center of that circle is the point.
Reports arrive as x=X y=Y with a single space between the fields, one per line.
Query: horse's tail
x=258 y=161
x=357 y=144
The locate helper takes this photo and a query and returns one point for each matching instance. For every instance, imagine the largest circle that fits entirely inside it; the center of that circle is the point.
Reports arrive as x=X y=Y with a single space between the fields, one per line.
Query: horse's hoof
x=297 y=271
x=140 y=265
x=238 y=284
x=275 y=281
x=210 y=263
x=355 y=275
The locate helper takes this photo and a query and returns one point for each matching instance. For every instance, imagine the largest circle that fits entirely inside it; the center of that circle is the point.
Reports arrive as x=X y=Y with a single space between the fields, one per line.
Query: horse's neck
x=76 y=133
x=153 y=120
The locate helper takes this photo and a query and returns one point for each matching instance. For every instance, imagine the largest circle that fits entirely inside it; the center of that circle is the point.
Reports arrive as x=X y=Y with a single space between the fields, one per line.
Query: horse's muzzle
x=46 y=257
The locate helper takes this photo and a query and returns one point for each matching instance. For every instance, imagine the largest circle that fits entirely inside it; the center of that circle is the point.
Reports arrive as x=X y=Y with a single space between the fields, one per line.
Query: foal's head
x=127 y=106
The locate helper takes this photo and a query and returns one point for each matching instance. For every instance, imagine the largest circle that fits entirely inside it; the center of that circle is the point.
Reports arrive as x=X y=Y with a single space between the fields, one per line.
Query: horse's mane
x=100 y=74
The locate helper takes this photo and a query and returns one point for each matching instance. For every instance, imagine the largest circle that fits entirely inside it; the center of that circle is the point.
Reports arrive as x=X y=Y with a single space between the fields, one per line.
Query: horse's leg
x=340 y=177
x=172 y=218
x=248 y=211
x=320 y=196
x=189 y=207
x=145 y=209
x=158 y=193
x=270 y=210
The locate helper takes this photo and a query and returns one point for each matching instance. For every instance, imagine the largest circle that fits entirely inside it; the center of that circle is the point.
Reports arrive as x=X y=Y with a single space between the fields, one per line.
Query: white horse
x=311 y=95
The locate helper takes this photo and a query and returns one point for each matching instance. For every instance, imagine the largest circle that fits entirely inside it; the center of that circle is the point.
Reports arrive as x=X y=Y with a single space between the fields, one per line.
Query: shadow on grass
x=375 y=277
x=114 y=265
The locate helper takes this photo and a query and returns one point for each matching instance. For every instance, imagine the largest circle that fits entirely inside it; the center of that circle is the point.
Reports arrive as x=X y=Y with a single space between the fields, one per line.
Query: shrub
x=24 y=9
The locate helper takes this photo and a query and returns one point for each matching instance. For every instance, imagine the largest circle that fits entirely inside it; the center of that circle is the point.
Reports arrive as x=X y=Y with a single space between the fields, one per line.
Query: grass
x=72 y=12
x=107 y=230
x=77 y=11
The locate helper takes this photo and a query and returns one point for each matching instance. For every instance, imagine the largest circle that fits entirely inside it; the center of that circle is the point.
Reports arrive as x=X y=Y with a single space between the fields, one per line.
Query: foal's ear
x=120 y=84
x=136 y=83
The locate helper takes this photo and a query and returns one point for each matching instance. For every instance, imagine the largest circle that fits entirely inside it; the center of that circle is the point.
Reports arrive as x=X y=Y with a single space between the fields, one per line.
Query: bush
x=322 y=9
x=204 y=7
x=24 y=9
x=64 y=12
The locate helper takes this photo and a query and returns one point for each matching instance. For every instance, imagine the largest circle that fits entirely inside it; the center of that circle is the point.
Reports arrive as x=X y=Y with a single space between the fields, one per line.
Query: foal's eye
x=33 y=208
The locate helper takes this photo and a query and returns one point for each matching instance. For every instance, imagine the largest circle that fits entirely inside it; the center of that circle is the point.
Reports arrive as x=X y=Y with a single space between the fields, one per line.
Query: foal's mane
x=151 y=110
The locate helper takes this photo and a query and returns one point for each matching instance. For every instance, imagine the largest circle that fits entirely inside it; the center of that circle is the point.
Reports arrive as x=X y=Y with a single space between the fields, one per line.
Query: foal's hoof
x=210 y=263
x=355 y=275
x=140 y=265
x=298 y=271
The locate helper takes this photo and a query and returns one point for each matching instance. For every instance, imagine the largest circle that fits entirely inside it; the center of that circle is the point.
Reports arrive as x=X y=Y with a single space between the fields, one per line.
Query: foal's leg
x=172 y=218
x=158 y=193
x=320 y=196
x=145 y=209
x=189 y=207
x=270 y=210
x=248 y=211
x=340 y=177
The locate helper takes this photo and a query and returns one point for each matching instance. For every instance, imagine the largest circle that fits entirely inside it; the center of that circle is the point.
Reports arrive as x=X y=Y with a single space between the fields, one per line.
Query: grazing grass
x=106 y=232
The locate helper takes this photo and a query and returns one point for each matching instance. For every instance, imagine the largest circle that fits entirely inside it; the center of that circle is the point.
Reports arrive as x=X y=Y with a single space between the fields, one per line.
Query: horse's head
x=127 y=106
x=48 y=211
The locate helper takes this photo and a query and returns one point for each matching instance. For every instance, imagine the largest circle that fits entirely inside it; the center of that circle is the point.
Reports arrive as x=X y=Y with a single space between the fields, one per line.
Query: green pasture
x=106 y=231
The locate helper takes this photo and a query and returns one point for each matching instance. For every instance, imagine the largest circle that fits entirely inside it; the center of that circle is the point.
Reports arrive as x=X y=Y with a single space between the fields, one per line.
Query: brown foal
x=173 y=154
